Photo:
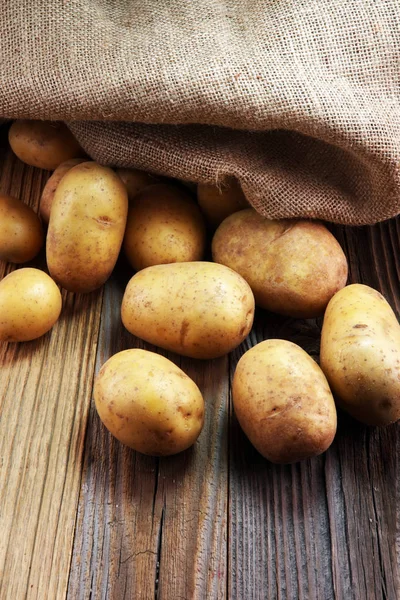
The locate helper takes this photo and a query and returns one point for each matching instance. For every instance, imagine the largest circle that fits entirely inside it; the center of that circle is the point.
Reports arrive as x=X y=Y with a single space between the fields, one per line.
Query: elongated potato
x=21 y=232
x=148 y=403
x=46 y=201
x=283 y=402
x=86 y=228
x=293 y=267
x=218 y=202
x=43 y=144
x=197 y=309
x=360 y=354
x=164 y=226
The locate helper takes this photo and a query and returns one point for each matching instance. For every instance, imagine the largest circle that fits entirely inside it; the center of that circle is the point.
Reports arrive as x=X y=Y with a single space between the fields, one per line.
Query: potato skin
x=293 y=267
x=21 y=232
x=30 y=304
x=47 y=198
x=148 y=403
x=164 y=226
x=196 y=309
x=86 y=227
x=135 y=181
x=43 y=144
x=283 y=402
x=360 y=354
x=218 y=202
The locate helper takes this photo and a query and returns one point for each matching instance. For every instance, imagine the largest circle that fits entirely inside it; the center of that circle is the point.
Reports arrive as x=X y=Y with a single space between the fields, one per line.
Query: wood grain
x=45 y=389
x=153 y=527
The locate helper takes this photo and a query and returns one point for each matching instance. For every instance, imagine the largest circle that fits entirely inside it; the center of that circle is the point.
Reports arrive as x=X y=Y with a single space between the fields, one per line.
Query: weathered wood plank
x=324 y=528
x=45 y=389
x=152 y=527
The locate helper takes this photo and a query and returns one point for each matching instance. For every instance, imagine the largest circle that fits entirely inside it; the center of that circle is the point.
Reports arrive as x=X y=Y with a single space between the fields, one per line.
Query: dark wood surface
x=82 y=517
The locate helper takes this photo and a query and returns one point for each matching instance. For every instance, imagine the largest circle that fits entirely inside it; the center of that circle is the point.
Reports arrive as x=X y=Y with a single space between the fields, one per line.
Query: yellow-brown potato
x=43 y=144
x=283 y=402
x=218 y=202
x=21 y=233
x=197 y=309
x=30 y=304
x=46 y=200
x=86 y=228
x=148 y=403
x=135 y=181
x=360 y=354
x=294 y=267
x=164 y=226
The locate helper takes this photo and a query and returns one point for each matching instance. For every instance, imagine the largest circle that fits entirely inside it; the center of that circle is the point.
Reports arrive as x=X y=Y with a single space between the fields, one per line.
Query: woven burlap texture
x=299 y=99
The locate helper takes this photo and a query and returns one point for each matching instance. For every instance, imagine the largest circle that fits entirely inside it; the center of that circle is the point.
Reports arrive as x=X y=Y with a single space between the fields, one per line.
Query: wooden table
x=83 y=517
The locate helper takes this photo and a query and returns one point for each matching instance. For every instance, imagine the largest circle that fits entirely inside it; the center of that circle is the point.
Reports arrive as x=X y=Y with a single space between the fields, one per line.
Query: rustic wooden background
x=82 y=517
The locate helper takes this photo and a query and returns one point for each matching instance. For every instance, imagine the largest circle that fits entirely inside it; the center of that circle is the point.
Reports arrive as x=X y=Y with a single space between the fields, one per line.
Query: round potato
x=43 y=144
x=164 y=226
x=293 y=267
x=30 y=304
x=283 y=402
x=360 y=354
x=86 y=227
x=21 y=233
x=218 y=202
x=135 y=181
x=197 y=309
x=148 y=403
x=46 y=200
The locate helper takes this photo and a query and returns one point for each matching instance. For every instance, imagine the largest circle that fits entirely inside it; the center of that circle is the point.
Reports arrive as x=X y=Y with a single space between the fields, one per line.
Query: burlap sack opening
x=299 y=99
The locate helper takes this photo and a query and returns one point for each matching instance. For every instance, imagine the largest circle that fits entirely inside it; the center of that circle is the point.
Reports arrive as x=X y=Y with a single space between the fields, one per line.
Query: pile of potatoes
x=176 y=300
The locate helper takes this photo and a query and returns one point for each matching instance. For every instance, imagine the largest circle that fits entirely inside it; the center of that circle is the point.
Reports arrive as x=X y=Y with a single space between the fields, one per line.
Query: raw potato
x=197 y=309
x=148 y=403
x=293 y=267
x=86 y=228
x=135 y=181
x=47 y=198
x=283 y=402
x=360 y=354
x=218 y=202
x=30 y=304
x=164 y=226
x=43 y=144
x=21 y=233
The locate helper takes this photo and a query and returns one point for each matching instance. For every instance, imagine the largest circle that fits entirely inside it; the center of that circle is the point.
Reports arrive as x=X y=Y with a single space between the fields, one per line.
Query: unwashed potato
x=360 y=354
x=283 y=402
x=30 y=304
x=46 y=200
x=218 y=202
x=21 y=233
x=197 y=309
x=135 y=180
x=294 y=267
x=148 y=403
x=164 y=226
x=86 y=228
x=43 y=144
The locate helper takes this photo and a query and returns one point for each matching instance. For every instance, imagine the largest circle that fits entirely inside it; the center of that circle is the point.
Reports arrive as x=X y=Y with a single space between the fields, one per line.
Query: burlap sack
x=299 y=99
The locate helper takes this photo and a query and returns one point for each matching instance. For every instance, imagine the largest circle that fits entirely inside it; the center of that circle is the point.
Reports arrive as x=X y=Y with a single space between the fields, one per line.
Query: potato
x=86 y=228
x=197 y=309
x=135 y=181
x=283 y=402
x=43 y=144
x=21 y=233
x=218 y=202
x=46 y=200
x=293 y=267
x=164 y=226
x=30 y=304
x=360 y=354
x=148 y=403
